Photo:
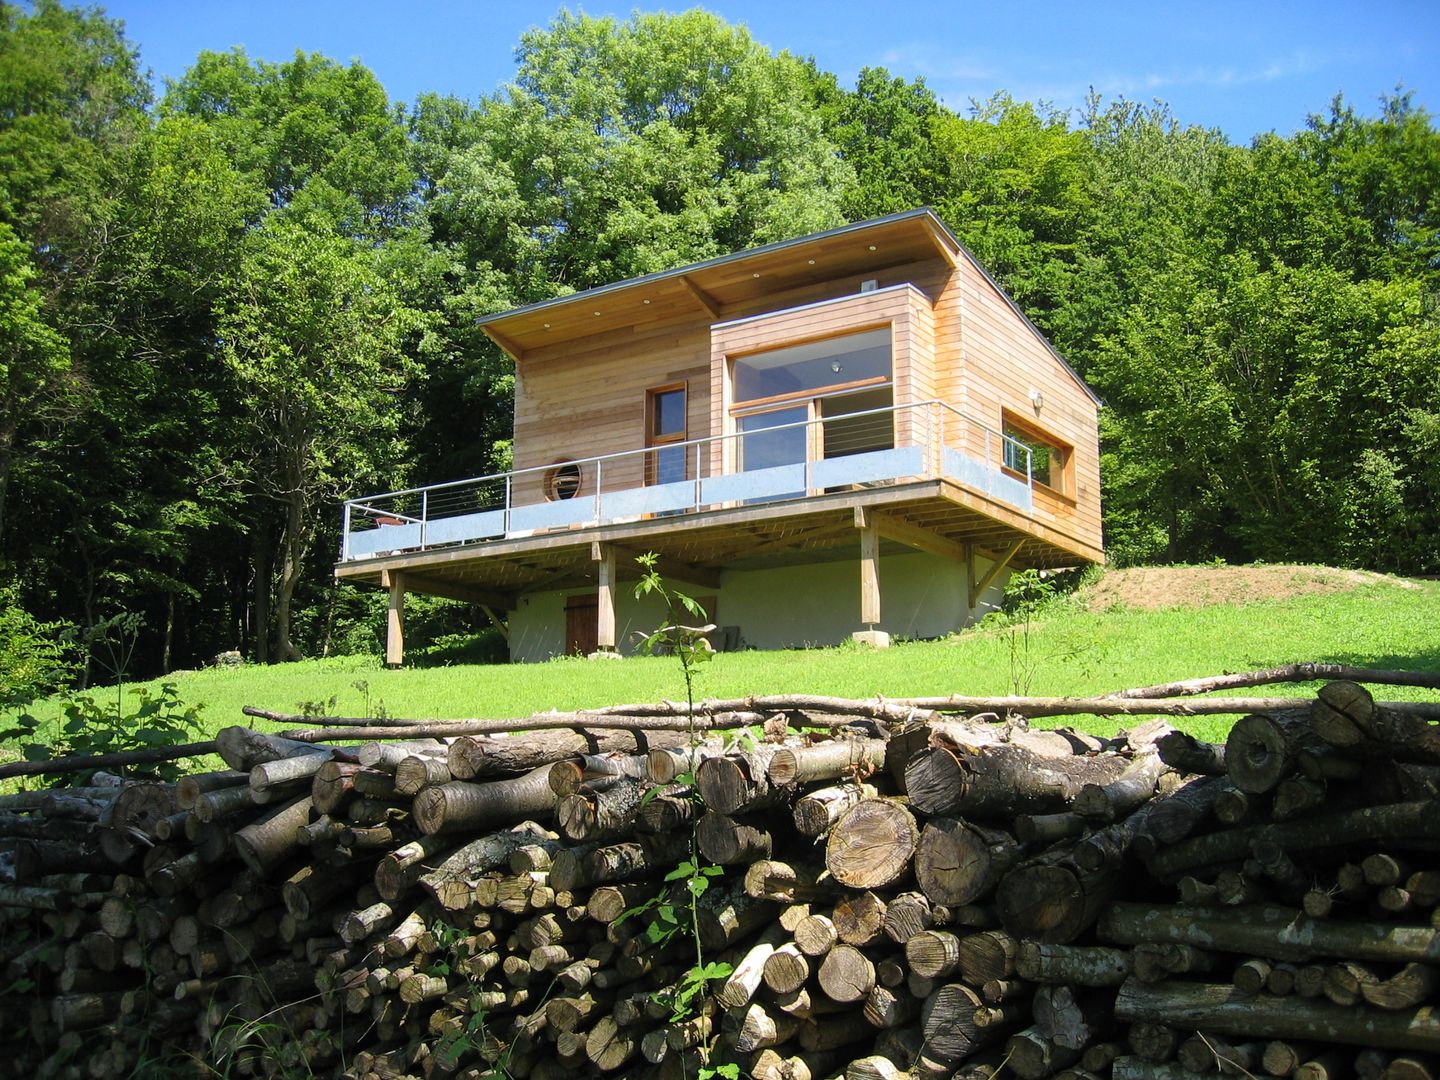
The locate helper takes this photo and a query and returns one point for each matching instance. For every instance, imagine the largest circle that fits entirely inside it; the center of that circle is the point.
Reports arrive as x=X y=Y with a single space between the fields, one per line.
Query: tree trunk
x=260 y=558
x=292 y=568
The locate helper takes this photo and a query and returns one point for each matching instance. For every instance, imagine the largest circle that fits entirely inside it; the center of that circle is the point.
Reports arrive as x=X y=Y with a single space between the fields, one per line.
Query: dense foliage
x=223 y=311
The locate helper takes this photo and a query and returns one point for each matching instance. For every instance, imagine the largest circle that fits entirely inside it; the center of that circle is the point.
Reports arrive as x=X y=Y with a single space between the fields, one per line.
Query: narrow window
x=665 y=428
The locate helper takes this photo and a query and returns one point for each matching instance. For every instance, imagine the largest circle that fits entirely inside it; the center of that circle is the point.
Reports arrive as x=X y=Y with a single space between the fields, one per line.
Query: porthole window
x=563 y=481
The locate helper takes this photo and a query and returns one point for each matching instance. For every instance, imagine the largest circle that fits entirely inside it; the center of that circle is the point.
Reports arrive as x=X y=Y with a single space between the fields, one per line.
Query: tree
x=885 y=130
x=312 y=338
x=34 y=358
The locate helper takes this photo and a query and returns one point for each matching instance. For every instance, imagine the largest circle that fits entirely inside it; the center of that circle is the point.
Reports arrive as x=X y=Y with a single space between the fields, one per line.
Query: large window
x=1048 y=458
x=664 y=429
x=807 y=370
x=826 y=389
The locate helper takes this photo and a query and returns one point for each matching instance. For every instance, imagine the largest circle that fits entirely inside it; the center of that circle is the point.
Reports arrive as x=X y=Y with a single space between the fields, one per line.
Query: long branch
x=77 y=762
x=741 y=712
x=1306 y=672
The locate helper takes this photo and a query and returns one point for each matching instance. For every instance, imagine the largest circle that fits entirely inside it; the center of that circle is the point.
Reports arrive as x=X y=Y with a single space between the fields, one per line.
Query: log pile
x=904 y=894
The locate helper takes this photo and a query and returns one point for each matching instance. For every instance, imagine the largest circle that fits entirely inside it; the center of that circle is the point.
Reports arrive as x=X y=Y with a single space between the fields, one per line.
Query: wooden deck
x=933 y=515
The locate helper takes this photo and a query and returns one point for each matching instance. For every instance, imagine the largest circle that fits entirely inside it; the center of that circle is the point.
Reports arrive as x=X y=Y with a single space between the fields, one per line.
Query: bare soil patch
x=1150 y=588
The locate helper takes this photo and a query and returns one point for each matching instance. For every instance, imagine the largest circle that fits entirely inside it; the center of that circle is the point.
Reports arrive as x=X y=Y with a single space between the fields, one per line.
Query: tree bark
x=1275 y=932
x=1222 y=1008
x=460 y=805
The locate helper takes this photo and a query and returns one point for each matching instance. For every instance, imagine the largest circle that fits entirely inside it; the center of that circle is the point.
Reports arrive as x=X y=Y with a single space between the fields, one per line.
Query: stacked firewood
x=900 y=892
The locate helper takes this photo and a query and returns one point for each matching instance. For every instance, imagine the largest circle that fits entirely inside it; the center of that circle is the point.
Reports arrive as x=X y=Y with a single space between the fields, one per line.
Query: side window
x=1028 y=447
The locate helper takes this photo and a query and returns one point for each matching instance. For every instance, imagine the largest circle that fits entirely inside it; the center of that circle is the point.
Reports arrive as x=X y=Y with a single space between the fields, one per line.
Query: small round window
x=563 y=481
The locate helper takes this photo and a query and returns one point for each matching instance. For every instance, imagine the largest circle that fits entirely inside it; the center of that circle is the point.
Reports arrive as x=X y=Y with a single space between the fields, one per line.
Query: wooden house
x=855 y=433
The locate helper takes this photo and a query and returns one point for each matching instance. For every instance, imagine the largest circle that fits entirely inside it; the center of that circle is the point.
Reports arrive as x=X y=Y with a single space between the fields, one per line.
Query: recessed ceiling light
x=755 y=275
x=547 y=326
x=872 y=247
x=812 y=262
x=644 y=301
x=597 y=313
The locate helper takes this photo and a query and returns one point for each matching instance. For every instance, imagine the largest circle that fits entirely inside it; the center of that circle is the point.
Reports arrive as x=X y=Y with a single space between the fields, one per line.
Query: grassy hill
x=1128 y=628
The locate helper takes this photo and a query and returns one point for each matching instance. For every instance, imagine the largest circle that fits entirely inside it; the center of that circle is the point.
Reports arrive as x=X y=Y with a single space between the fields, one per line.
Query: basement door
x=582 y=625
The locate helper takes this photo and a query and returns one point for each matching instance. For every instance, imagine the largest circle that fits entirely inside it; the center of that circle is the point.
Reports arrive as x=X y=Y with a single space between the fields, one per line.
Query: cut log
x=958 y=863
x=1275 y=932
x=1001 y=781
x=600 y=815
x=1081 y=965
x=859 y=918
x=734 y=782
x=817 y=812
x=1260 y=751
x=1412 y=824
x=830 y=760
x=1051 y=899
x=1127 y=792
x=846 y=974
x=769 y=879
x=725 y=841
x=264 y=844
x=459 y=805
x=871 y=846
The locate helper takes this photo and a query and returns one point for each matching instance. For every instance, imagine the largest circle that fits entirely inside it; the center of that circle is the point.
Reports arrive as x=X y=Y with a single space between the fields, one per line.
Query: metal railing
x=796 y=460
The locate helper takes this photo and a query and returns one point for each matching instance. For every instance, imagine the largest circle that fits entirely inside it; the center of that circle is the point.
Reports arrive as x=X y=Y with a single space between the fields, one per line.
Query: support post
x=604 y=557
x=869 y=581
x=395 y=618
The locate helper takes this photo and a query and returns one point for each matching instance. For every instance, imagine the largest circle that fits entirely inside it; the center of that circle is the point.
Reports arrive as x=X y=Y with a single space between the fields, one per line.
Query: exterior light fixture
x=1037 y=399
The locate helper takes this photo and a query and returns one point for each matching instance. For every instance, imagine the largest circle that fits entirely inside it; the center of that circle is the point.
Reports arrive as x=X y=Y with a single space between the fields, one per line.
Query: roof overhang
x=735 y=284
x=728 y=284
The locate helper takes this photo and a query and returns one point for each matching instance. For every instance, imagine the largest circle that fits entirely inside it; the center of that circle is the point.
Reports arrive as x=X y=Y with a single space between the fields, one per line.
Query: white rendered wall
x=921 y=596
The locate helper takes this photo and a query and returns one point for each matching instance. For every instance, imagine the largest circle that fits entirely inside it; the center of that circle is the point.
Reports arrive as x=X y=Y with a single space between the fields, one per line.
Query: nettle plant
x=676 y=909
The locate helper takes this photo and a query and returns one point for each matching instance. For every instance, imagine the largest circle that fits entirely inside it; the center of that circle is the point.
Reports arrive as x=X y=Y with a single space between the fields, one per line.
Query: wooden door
x=582 y=624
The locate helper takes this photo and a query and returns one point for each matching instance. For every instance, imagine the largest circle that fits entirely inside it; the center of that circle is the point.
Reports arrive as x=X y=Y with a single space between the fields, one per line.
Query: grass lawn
x=1386 y=623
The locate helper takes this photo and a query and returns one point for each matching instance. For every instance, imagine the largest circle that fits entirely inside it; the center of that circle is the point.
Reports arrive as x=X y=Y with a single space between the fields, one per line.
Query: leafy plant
x=87 y=727
x=688 y=644
x=36 y=658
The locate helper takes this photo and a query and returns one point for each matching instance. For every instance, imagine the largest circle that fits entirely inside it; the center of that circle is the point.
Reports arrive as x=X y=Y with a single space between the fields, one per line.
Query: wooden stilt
x=395 y=618
x=869 y=580
x=604 y=556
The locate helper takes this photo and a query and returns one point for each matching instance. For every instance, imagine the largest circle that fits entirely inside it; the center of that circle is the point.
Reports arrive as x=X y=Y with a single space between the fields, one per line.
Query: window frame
x=1061 y=482
x=655 y=441
x=763 y=404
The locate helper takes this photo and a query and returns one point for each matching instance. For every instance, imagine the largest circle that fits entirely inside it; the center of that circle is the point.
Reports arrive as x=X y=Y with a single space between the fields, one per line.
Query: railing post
x=345 y=536
x=507 y=502
x=424 y=518
x=599 y=476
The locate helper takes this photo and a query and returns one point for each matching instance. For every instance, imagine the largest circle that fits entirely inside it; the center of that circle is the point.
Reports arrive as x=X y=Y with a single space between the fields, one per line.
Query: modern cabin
x=850 y=434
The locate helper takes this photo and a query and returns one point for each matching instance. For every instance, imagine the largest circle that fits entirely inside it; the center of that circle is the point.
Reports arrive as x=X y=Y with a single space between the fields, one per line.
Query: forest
x=228 y=303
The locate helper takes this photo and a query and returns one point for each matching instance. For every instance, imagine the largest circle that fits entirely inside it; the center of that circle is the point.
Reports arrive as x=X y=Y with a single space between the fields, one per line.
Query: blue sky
x=1242 y=67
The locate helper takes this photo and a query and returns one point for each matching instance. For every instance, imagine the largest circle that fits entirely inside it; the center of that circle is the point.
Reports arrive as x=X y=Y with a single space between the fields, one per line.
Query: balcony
x=777 y=467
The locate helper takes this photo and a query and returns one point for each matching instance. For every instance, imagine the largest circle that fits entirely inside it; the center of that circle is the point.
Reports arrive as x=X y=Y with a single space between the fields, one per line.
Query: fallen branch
x=79 y=762
x=1307 y=672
